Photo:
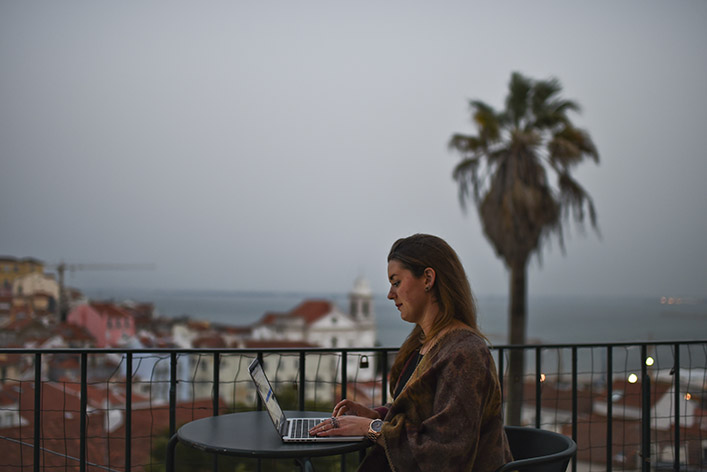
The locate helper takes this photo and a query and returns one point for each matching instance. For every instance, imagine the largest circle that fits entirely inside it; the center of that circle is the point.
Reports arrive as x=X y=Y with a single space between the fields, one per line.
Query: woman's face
x=408 y=293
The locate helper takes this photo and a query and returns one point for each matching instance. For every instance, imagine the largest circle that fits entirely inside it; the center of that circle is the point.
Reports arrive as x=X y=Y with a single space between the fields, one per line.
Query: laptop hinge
x=286 y=426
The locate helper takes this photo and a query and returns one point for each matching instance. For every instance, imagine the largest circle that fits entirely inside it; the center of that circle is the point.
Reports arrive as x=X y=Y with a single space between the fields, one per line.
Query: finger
x=319 y=428
x=323 y=432
x=341 y=407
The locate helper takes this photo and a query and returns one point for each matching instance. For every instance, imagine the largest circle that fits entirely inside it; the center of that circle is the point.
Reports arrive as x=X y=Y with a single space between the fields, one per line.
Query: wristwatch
x=374 y=430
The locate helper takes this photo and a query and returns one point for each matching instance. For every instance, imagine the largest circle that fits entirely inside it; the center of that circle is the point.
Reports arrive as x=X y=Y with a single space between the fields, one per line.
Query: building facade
x=109 y=324
x=12 y=268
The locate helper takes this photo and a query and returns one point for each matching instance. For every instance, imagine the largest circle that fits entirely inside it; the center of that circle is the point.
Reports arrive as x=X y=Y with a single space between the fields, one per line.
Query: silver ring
x=334 y=422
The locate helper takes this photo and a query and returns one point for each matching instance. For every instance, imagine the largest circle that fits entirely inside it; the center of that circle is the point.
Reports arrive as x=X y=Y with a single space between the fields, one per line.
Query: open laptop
x=290 y=429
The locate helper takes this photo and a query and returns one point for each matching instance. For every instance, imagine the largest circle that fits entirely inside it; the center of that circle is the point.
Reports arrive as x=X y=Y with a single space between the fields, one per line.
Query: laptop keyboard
x=301 y=426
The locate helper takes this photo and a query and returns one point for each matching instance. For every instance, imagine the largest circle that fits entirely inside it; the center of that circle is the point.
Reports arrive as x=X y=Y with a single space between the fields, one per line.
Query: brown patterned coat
x=448 y=417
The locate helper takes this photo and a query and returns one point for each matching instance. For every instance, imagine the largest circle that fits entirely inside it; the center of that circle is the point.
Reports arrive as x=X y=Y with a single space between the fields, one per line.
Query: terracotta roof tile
x=110 y=309
x=312 y=310
x=61 y=431
x=271 y=318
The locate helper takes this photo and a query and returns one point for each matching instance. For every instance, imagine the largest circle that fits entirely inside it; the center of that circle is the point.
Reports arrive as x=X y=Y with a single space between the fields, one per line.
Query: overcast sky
x=285 y=145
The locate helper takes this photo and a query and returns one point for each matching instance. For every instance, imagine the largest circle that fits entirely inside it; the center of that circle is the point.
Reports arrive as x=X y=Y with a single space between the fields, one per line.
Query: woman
x=446 y=409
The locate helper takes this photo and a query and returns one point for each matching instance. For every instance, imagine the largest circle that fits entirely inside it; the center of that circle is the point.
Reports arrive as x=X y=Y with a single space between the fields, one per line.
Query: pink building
x=109 y=324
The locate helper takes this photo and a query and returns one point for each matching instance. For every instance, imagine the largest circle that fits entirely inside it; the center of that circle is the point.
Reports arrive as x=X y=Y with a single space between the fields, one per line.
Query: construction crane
x=62 y=267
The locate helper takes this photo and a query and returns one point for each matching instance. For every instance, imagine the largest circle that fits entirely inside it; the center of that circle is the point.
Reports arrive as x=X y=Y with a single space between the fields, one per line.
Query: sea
x=551 y=319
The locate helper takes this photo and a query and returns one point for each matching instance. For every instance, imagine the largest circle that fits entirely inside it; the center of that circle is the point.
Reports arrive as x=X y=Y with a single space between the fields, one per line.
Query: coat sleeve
x=449 y=415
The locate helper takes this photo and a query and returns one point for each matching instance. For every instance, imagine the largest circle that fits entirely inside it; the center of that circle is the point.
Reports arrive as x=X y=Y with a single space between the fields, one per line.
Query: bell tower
x=361 y=302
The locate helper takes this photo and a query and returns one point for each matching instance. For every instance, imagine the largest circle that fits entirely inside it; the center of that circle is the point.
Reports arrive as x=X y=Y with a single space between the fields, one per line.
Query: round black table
x=252 y=434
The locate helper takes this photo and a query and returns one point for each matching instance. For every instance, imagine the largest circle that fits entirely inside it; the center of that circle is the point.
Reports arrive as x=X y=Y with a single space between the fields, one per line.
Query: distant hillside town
x=30 y=317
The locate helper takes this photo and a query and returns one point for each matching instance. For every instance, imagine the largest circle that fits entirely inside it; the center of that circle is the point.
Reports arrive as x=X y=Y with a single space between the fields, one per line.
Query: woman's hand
x=347 y=407
x=349 y=425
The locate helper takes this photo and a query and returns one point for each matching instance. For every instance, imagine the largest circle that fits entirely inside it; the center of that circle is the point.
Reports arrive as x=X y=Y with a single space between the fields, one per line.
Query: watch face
x=377 y=425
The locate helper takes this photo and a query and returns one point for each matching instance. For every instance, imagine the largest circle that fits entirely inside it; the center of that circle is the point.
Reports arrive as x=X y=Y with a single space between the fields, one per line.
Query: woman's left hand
x=346 y=425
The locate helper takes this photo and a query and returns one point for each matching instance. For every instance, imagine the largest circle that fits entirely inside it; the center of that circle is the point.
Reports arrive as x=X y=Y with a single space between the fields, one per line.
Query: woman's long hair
x=451 y=289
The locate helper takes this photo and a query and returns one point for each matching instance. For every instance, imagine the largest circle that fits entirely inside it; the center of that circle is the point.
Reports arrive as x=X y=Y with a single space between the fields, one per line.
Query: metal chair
x=538 y=450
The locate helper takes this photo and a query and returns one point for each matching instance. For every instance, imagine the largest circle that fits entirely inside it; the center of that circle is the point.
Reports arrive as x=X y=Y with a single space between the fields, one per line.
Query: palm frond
x=543 y=90
x=563 y=151
x=569 y=146
x=478 y=105
x=472 y=175
x=563 y=106
x=573 y=198
x=486 y=120
x=553 y=114
x=466 y=174
x=517 y=101
x=464 y=144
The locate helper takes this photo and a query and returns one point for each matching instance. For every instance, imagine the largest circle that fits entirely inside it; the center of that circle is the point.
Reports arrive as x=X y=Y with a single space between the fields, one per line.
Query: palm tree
x=505 y=170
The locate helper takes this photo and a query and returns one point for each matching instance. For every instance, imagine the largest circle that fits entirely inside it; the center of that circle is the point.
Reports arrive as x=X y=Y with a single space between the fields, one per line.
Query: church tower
x=361 y=302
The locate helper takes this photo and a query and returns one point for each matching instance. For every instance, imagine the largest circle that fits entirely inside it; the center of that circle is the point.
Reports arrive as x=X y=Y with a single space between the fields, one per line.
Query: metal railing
x=629 y=406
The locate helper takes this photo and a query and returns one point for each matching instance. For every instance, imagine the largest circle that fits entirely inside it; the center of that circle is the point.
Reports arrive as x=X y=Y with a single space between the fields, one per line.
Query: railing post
x=646 y=413
x=676 y=400
x=501 y=378
x=302 y=373
x=344 y=372
x=215 y=398
x=83 y=415
x=344 y=380
x=172 y=393
x=538 y=390
x=37 y=409
x=574 y=403
x=217 y=380
x=384 y=379
x=128 y=409
x=609 y=408
x=258 y=401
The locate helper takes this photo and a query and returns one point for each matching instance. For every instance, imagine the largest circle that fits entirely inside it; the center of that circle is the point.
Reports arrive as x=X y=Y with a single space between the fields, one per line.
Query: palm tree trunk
x=517 y=319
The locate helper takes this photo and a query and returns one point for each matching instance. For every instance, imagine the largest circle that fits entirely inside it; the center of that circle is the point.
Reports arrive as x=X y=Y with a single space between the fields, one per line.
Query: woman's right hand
x=348 y=407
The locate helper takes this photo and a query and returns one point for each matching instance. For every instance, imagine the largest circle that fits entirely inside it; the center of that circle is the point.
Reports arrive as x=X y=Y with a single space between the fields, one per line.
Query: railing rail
x=539 y=357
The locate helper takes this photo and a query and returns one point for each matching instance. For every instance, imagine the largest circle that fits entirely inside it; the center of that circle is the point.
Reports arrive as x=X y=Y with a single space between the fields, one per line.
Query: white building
x=34 y=283
x=321 y=323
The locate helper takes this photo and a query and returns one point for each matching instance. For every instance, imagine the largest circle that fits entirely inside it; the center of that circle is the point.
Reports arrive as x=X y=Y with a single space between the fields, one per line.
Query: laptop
x=290 y=429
